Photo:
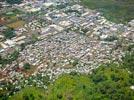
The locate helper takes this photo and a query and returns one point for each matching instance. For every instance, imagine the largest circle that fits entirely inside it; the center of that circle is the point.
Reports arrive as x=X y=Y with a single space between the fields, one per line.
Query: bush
x=25 y=97
x=14 y=1
x=9 y=33
x=128 y=61
x=26 y=66
x=8 y=60
x=111 y=38
x=59 y=96
x=75 y=62
x=99 y=78
x=14 y=56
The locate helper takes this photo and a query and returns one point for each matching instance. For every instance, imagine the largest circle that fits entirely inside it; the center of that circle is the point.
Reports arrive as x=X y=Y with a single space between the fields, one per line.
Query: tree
x=9 y=33
x=34 y=38
x=14 y=55
x=26 y=66
x=10 y=58
x=99 y=78
x=14 y=1
x=25 y=97
x=1 y=60
x=128 y=61
x=111 y=38
x=59 y=96
x=32 y=97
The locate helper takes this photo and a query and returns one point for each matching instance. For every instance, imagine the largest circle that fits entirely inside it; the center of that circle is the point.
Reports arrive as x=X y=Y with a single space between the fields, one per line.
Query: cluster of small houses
x=68 y=37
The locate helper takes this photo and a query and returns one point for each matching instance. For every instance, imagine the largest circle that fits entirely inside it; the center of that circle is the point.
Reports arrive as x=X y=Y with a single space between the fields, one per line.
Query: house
x=65 y=24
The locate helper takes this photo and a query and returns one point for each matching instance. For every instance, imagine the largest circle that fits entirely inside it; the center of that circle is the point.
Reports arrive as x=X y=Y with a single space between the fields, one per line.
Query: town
x=48 y=38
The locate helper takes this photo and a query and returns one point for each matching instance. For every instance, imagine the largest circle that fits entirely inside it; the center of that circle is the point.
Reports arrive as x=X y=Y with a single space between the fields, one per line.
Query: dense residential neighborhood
x=41 y=40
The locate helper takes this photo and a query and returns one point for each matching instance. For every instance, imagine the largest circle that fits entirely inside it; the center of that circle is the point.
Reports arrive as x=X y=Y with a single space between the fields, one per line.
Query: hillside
x=67 y=50
x=114 y=10
x=108 y=82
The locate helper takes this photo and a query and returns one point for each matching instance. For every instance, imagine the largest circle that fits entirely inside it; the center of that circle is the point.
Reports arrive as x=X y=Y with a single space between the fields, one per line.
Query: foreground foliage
x=128 y=59
x=109 y=82
x=29 y=93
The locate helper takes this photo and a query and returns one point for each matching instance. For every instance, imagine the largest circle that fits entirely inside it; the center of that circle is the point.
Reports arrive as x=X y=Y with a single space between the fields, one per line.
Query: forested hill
x=119 y=11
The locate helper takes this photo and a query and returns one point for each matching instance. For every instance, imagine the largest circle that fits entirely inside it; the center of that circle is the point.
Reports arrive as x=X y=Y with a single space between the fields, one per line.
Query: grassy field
x=119 y=11
x=11 y=19
x=106 y=83
x=17 y=24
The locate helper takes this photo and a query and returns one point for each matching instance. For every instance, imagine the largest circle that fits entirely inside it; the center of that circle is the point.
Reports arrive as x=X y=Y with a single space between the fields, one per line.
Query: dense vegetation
x=9 y=59
x=114 y=10
x=13 y=1
x=108 y=82
x=128 y=59
x=29 y=93
x=26 y=66
x=9 y=33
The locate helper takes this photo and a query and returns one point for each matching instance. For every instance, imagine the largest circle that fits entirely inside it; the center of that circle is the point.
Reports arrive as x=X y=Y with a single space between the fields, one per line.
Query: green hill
x=106 y=83
x=119 y=11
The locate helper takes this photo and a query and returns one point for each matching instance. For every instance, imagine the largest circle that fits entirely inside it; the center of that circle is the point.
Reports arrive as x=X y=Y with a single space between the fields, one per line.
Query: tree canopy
x=128 y=59
x=9 y=33
x=14 y=1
